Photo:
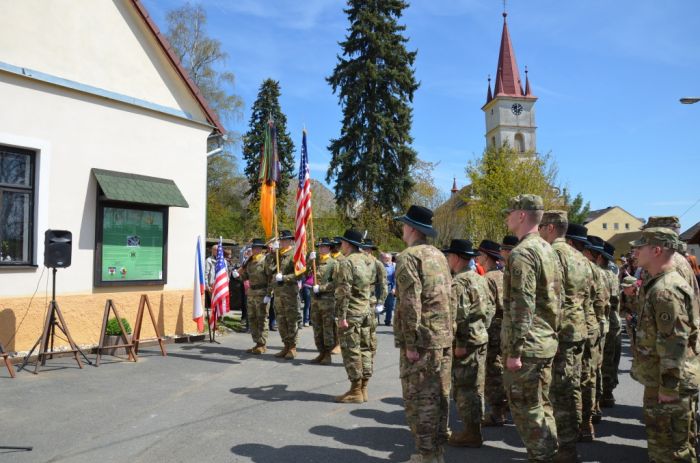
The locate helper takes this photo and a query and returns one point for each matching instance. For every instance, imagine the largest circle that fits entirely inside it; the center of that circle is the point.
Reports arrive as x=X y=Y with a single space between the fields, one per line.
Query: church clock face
x=516 y=109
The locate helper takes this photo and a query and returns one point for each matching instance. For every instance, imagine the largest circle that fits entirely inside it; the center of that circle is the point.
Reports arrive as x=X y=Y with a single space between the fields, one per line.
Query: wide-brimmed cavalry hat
x=258 y=243
x=420 y=218
x=577 y=232
x=490 y=248
x=509 y=242
x=353 y=237
x=595 y=243
x=608 y=251
x=369 y=244
x=464 y=248
x=325 y=241
x=286 y=235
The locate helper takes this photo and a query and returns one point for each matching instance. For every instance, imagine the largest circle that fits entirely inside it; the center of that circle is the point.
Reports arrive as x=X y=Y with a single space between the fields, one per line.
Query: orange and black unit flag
x=269 y=176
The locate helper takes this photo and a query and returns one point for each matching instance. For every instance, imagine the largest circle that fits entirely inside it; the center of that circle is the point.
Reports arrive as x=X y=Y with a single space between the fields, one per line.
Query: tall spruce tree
x=267 y=106
x=374 y=79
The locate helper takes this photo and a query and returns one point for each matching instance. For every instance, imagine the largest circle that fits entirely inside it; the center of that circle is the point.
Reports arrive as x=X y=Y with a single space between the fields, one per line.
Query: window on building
x=627 y=226
x=605 y=226
x=493 y=141
x=520 y=142
x=616 y=226
x=16 y=206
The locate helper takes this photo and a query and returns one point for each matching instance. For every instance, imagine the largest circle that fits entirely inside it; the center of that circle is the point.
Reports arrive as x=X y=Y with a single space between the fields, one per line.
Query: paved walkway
x=215 y=403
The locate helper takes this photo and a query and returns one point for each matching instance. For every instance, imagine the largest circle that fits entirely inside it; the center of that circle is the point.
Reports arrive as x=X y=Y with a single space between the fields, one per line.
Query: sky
x=608 y=76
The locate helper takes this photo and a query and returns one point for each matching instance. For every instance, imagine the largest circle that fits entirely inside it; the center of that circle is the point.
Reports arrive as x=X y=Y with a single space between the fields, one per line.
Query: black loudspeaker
x=57 y=248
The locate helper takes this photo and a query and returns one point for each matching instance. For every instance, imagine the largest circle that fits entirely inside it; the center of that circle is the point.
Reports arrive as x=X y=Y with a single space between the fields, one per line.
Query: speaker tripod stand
x=25 y=449
x=54 y=319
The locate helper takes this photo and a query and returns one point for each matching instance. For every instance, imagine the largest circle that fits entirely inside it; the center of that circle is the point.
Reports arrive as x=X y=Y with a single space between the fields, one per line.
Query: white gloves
x=279 y=278
x=379 y=308
x=312 y=255
x=235 y=274
x=275 y=245
x=266 y=300
x=316 y=289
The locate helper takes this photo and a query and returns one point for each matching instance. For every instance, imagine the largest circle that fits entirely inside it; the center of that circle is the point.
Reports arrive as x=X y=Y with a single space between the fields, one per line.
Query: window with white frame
x=16 y=206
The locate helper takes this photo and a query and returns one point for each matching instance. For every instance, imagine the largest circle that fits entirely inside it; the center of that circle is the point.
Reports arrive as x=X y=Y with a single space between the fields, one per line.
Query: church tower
x=510 y=109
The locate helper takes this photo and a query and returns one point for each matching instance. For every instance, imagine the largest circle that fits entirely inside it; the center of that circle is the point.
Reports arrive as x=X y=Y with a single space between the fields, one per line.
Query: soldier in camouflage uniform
x=323 y=302
x=337 y=256
x=666 y=354
x=629 y=304
x=352 y=293
x=283 y=282
x=613 y=341
x=423 y=333
x=471 y=306
x=495 y=395
x=379 y=292
x=577 y=279
x=509 y=242
x=255 y=272
x=594 y=248
x=532 y=288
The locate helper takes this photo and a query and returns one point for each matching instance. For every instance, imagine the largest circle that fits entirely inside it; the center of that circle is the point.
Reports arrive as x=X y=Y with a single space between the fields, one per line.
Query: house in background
x=611 y=221
x=103 y=134
x=692 y=238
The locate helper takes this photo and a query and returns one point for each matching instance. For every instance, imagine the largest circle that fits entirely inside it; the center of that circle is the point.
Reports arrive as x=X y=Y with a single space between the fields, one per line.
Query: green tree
x=425 y=192
x=578 y=212
x=497 y=176
x=372 y=159
x=267 y=107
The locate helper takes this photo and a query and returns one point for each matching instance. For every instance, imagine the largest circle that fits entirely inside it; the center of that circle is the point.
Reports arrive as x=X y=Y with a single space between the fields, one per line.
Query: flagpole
x=277 y=234
x=313 y=247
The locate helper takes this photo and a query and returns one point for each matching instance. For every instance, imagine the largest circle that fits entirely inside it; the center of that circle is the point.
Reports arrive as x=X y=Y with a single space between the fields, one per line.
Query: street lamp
x=689 y=100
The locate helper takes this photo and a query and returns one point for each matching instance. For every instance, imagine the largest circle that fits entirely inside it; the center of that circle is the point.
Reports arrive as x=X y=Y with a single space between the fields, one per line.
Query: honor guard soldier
x=283 y=283
x=323 y=302
x=423 y=333
x=255 y=273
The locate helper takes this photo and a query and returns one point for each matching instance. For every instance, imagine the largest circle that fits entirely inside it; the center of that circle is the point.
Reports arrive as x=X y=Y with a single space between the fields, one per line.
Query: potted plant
x=113 y=336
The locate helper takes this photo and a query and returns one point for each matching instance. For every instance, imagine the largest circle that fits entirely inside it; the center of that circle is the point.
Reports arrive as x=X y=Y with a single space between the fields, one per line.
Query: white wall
x=82 y=132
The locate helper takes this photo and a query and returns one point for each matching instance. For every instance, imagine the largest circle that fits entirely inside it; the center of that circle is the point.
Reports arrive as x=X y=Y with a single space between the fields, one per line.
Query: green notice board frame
x=131 y=244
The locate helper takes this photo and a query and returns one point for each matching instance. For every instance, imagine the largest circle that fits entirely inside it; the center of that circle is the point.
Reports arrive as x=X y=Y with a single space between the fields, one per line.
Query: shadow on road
x=398 y=441
x=260 y=453
x=397 y=417
x=280 y=393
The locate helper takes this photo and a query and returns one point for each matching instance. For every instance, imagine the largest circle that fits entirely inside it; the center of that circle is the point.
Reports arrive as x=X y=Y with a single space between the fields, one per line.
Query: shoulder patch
x=665 y=316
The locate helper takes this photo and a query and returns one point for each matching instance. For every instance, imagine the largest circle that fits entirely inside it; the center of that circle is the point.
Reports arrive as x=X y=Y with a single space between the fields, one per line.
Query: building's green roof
x=132 y=188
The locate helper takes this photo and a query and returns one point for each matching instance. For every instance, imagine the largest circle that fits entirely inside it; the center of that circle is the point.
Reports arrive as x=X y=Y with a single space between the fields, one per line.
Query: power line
x=686 y=211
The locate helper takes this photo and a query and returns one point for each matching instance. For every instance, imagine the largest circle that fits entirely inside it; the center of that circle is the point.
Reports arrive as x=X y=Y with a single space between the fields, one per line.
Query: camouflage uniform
x=493 y=389
x=532 y=285
x=286 y=297
x=613 y=341
x=352 y=293
x=470 y=305
x=604 y=282
x=565 y=393
x=323 y=304
x=337 y=256
x=595 y=316
x=423 y=323
x=666 y=362
x=256 y=273
x=378 y=292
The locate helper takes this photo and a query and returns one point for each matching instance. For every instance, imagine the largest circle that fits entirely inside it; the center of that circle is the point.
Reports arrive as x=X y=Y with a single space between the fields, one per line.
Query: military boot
x=326 y=360
x=336 y=350
x=440 y=456
x=608 y=400
x=259 y=349
x=321 y=355
x=586 y=431
x=291 y=353
x=364 y=390
x=250 y=351
x=497 y=417
x=283 y=352
x=566 y=454
x=470 y=437
x=354 y=394
x=423 y=458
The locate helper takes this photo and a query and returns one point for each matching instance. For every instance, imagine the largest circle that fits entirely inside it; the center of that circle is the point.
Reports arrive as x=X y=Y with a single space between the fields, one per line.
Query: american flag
x=303 y=209
x=219 y=293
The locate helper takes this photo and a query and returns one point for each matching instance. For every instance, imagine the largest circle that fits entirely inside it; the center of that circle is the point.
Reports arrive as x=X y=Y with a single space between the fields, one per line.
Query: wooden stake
x=109 y=305
x=143 y=303
x=8 y=364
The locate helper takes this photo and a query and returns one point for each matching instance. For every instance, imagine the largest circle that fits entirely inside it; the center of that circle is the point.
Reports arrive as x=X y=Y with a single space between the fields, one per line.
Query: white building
x=102 y=134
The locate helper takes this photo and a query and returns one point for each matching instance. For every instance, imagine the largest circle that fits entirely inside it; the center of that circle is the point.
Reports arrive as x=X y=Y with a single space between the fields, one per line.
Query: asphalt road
x=215 y=403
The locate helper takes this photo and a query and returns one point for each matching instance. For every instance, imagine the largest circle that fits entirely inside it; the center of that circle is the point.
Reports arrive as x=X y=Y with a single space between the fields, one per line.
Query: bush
x=113 y=329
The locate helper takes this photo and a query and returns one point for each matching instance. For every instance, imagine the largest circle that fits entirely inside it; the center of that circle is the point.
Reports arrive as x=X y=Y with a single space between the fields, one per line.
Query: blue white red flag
x=303 y=212
x=198 y=293
x=219 y=293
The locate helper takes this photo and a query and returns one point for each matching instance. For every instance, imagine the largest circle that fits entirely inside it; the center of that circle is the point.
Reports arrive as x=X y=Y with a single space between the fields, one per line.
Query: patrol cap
x=667 y=221
x=524 y=203
x=555 y=217
x=658 y=236
x=628 y=281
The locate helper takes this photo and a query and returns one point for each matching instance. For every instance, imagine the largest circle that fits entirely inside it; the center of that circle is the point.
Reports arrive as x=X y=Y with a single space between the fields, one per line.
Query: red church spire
x=507 y=76
x=454 y=181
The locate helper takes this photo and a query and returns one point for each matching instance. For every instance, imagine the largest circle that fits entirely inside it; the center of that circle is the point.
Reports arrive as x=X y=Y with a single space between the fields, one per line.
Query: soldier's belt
x=258 y=286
